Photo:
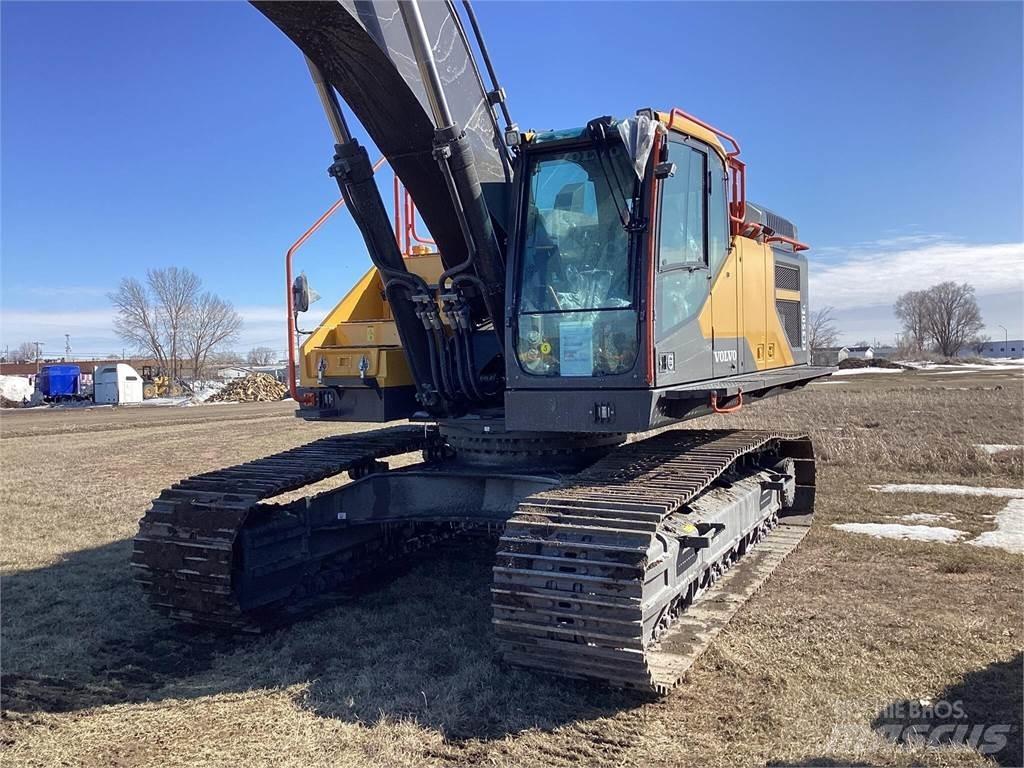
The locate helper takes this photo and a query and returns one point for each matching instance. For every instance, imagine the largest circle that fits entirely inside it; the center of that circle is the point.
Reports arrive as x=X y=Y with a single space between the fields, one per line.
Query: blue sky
x=140 y=135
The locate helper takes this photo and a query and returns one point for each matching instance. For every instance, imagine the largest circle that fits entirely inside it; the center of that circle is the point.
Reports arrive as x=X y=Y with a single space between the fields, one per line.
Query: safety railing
x=737 y=168
x=405 y=221
x=288 y=259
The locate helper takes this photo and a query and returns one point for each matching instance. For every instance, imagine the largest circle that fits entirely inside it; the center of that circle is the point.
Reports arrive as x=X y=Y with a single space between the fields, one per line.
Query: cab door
x=724 y=275
x=682 y=270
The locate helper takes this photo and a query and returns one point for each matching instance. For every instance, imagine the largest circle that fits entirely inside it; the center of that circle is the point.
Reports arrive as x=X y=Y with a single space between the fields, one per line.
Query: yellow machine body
x=361 y=328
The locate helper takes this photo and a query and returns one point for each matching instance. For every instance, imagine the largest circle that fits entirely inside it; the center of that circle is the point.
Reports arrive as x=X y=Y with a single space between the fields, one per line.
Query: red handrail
x=738 y=175
x=292 y=384
x=676 y=111
x=405 y=220
x=715 y=408
x=796 y=244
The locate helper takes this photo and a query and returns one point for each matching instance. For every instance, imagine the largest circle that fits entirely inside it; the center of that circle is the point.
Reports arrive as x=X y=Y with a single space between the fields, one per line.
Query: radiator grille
x=787 y=278
x=789 y=311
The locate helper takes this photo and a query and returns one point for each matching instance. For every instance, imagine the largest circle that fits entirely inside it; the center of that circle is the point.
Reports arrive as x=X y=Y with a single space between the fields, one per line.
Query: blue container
x=60 y=381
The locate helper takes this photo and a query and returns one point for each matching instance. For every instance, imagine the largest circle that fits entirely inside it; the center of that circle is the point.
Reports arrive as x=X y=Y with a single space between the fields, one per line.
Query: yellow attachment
x=361 y=326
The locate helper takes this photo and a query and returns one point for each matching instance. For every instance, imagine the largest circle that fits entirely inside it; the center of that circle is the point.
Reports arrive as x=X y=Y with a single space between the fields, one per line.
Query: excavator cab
x=643 y=289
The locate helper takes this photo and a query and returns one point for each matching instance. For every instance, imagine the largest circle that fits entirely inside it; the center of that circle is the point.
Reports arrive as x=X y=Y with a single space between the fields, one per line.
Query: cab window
x=683 y=241
x=718 y=213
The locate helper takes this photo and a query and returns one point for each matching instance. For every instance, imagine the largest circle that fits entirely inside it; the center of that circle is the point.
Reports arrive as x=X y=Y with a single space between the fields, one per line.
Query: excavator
x=579 y=294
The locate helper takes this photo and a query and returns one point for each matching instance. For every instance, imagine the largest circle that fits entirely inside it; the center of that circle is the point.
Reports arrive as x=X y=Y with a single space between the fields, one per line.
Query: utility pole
x=1006 y=337
x=38 y=345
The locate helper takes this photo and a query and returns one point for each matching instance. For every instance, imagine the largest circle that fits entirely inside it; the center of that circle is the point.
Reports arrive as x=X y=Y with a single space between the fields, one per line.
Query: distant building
x=835 y=355
x=1009 y=348
x=234 y=372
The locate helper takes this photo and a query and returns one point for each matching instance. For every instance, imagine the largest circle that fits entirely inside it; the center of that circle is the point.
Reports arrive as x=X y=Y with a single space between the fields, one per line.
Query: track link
x=592 y=578
x=188 y=555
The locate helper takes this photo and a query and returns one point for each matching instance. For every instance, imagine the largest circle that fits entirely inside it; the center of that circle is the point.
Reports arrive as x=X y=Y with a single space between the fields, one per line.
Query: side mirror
x=302 y=294
x=664 y=170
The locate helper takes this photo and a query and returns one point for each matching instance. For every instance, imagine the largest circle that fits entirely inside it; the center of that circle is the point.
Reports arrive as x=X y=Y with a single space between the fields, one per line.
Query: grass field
x=850 y=633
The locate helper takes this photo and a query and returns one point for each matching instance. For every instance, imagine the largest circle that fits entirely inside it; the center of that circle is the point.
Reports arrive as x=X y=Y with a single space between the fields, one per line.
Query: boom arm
x=436 y=125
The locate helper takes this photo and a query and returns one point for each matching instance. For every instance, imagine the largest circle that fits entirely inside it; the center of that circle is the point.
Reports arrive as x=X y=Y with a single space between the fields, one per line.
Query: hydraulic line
x=455 y=159
x=416 y=329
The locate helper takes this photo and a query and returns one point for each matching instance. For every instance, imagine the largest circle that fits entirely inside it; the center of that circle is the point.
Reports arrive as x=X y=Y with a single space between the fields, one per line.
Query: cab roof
x=679 y=125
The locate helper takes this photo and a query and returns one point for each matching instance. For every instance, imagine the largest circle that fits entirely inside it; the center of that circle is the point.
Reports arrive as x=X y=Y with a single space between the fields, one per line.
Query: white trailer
x=117 y=384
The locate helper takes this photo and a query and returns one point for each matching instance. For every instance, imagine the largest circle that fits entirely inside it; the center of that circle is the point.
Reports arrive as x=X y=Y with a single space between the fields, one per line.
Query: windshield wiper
x=625 y=206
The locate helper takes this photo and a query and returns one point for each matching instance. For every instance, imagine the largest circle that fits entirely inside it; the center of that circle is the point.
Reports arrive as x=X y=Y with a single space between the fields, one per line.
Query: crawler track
x=591 y=576
x=622 y=574
x=209 y=553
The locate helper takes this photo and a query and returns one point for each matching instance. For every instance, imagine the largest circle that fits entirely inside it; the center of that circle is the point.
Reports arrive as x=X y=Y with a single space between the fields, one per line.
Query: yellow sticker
x=545 y=347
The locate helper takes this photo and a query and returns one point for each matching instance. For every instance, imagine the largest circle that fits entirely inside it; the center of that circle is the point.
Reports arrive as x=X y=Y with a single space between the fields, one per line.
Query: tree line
x=944 y=318
x=169 y=317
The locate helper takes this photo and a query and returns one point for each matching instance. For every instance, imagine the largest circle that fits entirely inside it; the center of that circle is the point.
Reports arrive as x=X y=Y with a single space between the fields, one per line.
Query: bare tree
x=979 y=342
x=176 y=292
x=25 y=352
x=911 y=309
x=168 y=318
x=821 y=329
x=953 y=316
x=210 y=324
x=138 y=320
x=261 y=356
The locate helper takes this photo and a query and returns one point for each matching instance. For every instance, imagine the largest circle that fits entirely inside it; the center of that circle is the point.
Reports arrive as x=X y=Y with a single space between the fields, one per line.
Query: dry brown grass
x=405 y=675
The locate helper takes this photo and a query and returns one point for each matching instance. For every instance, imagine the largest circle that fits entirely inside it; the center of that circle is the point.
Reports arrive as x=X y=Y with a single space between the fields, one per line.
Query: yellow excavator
x=582 y=291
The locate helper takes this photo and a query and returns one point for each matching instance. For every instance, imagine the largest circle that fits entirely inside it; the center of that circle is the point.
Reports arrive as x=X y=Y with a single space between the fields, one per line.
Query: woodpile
x=254 y=388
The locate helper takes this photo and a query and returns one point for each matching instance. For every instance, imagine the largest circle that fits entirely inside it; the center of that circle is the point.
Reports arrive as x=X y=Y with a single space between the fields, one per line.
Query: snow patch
x=992 y=448
x=15 y=388
x=203 y=390
x=997 y=364
x=1009 y=532
x=957 y=490
x=165 y=401
x=906 y=532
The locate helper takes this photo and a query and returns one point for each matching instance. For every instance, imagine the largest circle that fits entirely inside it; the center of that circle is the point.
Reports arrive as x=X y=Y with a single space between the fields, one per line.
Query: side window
x=683 y=241
x=718 y=213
